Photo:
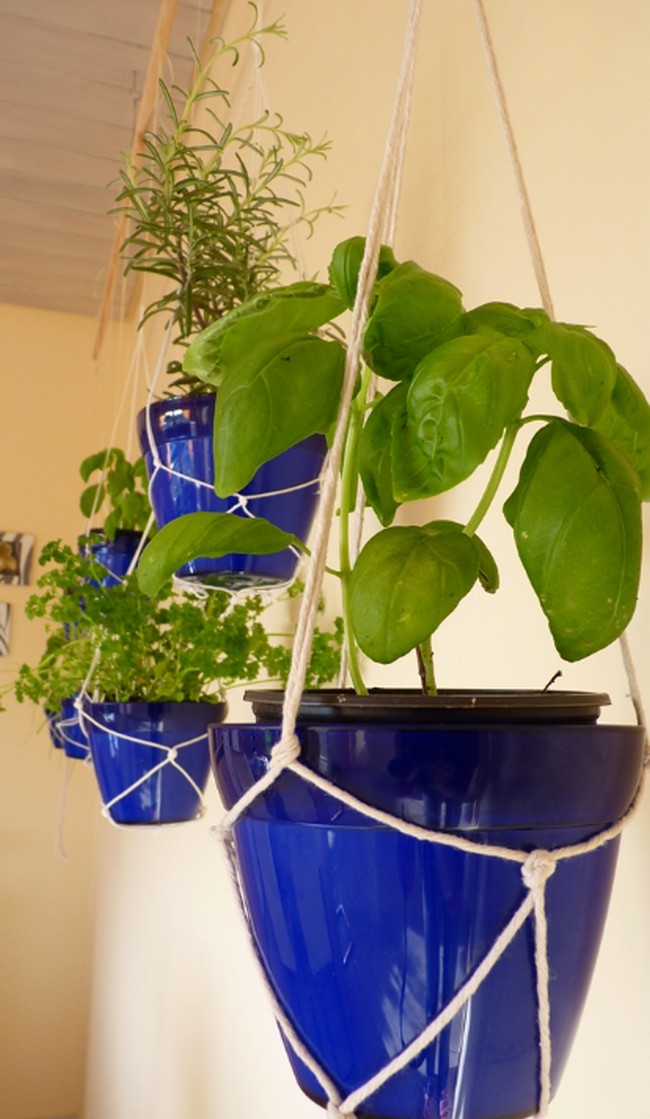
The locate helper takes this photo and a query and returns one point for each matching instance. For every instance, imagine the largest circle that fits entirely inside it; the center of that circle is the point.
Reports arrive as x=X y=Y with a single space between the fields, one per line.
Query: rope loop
x=538 y=868
x=285 y=752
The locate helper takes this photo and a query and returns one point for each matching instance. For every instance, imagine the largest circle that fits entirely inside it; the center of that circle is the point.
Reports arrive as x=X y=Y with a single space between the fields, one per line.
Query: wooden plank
x=119 y=20
x=160 y=44
x=26 y=241
x=72 y=74
x=67 y=195
x=65 y=51
x=71 y=134
x=97 y=102
x=93 y=57
x=54 y=165
x=48 y=218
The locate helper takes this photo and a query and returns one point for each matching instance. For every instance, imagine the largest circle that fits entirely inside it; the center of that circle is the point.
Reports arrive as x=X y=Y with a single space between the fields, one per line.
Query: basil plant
x=454 y=389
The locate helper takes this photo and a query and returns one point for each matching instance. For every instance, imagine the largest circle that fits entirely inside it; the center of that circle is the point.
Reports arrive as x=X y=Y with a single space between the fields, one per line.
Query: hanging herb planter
x=366 y=933
x=151 y=759
x=214 y=208
x=363 y=961
x=181 y=468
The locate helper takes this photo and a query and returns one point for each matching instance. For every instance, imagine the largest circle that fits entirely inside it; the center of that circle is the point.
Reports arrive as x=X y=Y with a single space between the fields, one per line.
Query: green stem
x=349 y=492
x=494 y=480
x=424 y=653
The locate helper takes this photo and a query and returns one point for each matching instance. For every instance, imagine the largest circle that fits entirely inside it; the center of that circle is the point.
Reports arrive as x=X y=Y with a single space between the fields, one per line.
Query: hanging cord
x=535 y=250
x=384 y=203
x=388 y=225
x=59 y=843
x=513 y=152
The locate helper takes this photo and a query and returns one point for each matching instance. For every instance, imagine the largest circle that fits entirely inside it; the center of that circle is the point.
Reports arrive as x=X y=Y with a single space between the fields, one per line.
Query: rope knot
x=538 y=868
x=286 y=751
x=172 y=753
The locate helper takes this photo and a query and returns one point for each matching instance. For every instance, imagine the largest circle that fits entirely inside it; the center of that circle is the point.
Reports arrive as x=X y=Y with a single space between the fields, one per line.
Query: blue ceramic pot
x=182 y=430
x=116 y=555
x=53 y=719
x=366 y=934
x=165 y=796
x=66 y=732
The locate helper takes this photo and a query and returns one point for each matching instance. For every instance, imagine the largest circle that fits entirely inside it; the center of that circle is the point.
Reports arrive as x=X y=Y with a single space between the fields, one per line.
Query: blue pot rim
x=114 y=717
x=191 y=417
x=444 y=778
x=125 y=541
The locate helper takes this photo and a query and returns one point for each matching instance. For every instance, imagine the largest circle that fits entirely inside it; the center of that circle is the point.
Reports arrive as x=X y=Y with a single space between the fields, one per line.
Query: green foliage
x=120 y=495
x=212 y=208
x=210 y=535
x=461 y=394
x=577 y=522
x=165 y=647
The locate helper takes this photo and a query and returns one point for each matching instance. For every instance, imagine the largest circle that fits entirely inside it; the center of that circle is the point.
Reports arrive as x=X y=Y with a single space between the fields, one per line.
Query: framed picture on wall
x=5 y=617
x=16 y=549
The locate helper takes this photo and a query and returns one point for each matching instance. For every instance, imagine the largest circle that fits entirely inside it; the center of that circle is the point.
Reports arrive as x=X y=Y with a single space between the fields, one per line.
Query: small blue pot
x=182 y=430
x=66 y=732
x=165 y=796
x=366 y=934
x=116 y=555
x=53 y=719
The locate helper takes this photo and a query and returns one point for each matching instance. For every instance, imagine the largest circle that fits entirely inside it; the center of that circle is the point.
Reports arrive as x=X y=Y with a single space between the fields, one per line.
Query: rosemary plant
x=212 y=207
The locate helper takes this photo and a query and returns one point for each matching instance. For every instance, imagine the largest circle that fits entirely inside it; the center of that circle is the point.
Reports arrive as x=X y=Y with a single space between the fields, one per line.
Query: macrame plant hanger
x=536 y=866
x=168 y=755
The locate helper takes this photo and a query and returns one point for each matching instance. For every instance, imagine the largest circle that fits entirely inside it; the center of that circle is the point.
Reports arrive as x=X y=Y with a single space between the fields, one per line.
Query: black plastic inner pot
x=411 y=706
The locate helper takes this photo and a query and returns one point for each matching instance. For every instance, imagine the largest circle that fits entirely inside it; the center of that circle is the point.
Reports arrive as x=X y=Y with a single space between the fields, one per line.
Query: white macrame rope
x=130 y=383
x=513 y=153
x=534 y=248
x=383 y=204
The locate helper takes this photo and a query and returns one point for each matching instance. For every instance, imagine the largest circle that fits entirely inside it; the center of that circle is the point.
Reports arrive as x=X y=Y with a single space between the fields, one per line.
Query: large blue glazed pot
x=182 y=431
x=366 y=934
x=125 y=741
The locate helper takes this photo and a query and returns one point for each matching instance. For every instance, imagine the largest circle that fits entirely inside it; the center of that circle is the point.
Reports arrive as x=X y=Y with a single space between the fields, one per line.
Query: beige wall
x=179 y=1027
x=54 y=407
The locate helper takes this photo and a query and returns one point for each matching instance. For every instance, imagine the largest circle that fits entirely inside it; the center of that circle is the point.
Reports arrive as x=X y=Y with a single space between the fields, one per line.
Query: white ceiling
x=71 y=73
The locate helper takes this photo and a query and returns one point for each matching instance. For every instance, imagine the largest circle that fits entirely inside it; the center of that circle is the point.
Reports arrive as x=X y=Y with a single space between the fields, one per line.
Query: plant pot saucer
x=405 y=705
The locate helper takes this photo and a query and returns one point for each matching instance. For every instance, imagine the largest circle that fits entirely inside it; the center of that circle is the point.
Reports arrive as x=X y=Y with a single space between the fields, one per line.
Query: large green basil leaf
x=404 y=584
x=281 y=391
x=414 y=312
x=583 y=370
x=577 y=524
x=345 y=266
x=461 y=398
x=488 y=572
x=626 y=421
x=294 y=309
x=375 y=452
x=209 y=535
x=502 y=318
